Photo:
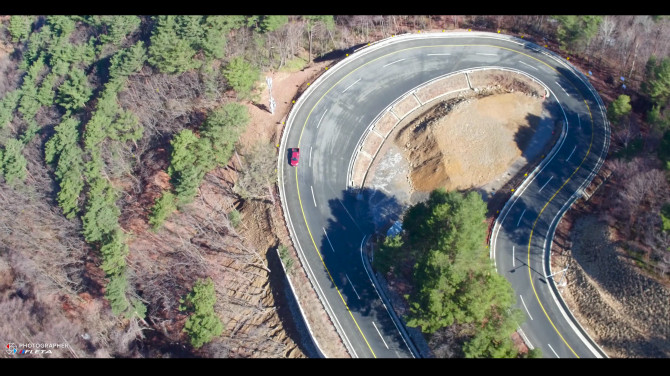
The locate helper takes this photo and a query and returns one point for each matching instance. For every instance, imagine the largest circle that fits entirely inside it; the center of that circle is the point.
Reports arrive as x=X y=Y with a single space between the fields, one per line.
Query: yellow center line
x=300 y=199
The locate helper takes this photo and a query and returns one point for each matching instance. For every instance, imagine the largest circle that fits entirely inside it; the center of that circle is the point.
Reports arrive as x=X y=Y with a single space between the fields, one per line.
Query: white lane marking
x=380 y=335
x=324 y=114
x=313 y=198
x=524 y=306
x=552 y=350
x=393 y=63
x=559 y=85
x=331 y=244
x=352 y=285
x=579 y=121
x=521 y=216
x=528 y=65
x=310 y=156
x=513 y=258
x=545 y=184
x=481 y=53
x=573 y=151
x=350 y=86
x=437 y=54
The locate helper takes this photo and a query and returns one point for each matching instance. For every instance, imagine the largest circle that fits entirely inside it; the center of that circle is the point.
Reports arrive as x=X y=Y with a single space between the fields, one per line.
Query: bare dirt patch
x=466 y=143
x=622 y=309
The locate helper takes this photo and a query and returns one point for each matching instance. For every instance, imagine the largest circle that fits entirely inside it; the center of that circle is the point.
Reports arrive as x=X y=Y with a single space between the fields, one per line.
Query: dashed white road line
x=380 y=335
x=559 y=85
x=524 y=306
x=437 y=54
x=331 y=244
x=310 y=156
x=573 y=151
x=552 y=350
x=521 y=216
x=545 y=184
x=324 y=114
x=350 y=86
x=513 y=264
x=527 y=64
x=579 y=121
x=352 y=285
x=481 y=53
x=313 y=198
x=393 y=63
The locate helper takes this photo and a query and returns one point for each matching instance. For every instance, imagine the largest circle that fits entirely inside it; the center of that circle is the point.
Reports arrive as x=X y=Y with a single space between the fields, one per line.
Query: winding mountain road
x=329 y=221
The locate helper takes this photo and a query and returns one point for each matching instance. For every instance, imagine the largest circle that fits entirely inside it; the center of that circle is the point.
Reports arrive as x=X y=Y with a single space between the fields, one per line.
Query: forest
x=115 y=131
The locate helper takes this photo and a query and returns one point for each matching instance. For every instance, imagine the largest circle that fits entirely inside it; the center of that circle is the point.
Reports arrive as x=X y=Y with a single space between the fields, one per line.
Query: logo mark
x=11 y=348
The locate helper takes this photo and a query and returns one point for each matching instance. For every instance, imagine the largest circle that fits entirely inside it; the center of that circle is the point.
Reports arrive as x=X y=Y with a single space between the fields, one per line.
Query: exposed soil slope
x=467 y=144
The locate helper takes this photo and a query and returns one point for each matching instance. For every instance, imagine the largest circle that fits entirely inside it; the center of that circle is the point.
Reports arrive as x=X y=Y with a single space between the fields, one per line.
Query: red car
x=293 y=156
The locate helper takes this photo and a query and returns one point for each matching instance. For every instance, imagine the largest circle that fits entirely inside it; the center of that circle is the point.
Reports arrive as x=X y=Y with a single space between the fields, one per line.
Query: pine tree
x=163 y=207
x=128 y=61
x=20 y=27
x=223 y=127
x=168 y=52
x=7 y=106
x=13 y=162
x=117 y=28
x=75 y=91
x=241 y=76
x=203 y=324
x=619 y=108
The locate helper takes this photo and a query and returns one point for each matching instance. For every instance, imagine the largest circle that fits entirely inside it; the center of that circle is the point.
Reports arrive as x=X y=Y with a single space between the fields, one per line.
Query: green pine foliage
x=213 y=41
x=102 y=215
x=455 y=282
x=168 y=51
x=7 y=106
x=126 y=127
x=619 y=108
x=116 y=28
x=75 y=91
x=63 y=150
x=37 y=44
x=494 y=339
x=390 y=253
x=190 y=29
x=657 y=84
x=268 y=24
x=13 y=162
x=20 y=27
x=202 y=324
x=128 y=61
x=46 y=94
x=61 y=26
x=223 y=127
x=187 y=168
x=235 y=218
x=575 y=32
x=241 y=76
x=115 y=293
x=192 y=157
x=114 y=251
x=102 y=119
x=163 y=207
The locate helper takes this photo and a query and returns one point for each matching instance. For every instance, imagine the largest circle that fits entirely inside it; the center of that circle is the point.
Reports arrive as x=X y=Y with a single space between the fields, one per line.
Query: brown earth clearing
x=467 y=144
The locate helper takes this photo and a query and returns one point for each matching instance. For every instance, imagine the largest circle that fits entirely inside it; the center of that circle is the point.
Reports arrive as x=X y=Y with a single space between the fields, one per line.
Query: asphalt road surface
x=328 y=220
